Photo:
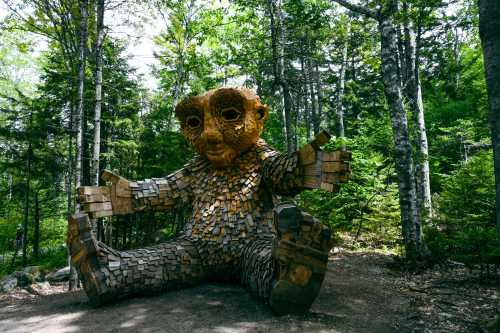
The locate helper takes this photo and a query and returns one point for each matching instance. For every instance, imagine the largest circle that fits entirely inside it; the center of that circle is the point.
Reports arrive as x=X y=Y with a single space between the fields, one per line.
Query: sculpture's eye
x=193 y=121
x=230 y=114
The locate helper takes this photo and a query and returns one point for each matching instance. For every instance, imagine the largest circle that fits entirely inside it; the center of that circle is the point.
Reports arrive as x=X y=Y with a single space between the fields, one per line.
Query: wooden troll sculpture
x=237 y=230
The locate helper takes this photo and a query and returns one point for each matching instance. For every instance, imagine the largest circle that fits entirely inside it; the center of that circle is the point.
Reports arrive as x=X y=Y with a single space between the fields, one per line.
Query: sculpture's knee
x=301 y=255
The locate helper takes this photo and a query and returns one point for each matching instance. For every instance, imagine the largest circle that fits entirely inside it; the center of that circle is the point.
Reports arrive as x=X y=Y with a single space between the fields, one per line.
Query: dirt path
x=360 y=294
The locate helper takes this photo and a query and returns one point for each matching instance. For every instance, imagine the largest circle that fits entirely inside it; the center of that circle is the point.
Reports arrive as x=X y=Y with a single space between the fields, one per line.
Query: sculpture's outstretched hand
x=322 y=169
x=100 y=201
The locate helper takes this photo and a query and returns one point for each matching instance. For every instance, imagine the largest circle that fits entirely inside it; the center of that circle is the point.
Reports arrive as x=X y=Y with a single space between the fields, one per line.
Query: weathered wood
x=97 y=206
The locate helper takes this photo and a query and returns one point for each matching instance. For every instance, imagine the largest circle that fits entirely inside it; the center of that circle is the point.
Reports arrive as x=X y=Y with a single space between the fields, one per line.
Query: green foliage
x=464 y=228
x=367 y=207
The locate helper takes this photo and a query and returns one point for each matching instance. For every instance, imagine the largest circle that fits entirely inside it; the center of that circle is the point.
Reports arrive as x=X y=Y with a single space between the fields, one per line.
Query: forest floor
x=362 y=292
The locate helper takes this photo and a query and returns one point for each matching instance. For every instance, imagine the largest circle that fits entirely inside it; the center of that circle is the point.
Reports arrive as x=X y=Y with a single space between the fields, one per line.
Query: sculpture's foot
x=94 y=261
x=301 y=252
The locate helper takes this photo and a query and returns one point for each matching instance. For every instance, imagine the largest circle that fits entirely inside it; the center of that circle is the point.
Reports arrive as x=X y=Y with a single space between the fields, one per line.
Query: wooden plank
x=102 y=213
x=122 y=189
x=330 y=177
x=94 y=198
x=83 y=190
x=331 y=156
x=328 y=187
x=97 y=206
x=307 y=155
x=333 y=167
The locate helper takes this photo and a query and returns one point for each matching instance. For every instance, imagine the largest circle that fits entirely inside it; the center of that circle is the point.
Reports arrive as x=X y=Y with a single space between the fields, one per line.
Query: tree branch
x=358 y=9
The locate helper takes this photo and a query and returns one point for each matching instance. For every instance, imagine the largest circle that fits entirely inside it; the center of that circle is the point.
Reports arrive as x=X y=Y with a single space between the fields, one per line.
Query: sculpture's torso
x=231 y=206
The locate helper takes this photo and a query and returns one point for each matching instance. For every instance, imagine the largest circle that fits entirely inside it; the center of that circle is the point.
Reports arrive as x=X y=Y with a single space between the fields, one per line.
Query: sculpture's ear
x=262 y=112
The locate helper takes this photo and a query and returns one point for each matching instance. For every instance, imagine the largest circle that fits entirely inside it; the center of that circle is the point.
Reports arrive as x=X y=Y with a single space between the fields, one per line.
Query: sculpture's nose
x=211 y=131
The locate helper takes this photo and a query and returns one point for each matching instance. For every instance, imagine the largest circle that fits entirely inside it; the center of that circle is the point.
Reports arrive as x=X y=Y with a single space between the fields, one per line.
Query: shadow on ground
x=355 y=298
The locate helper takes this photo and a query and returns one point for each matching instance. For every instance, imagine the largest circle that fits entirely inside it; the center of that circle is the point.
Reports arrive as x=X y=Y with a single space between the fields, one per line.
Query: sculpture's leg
x=108 y=274
x=290 y=270
x=258 y=268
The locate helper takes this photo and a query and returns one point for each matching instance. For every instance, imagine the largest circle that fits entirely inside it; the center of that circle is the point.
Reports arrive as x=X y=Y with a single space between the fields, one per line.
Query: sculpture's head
x=222 y=123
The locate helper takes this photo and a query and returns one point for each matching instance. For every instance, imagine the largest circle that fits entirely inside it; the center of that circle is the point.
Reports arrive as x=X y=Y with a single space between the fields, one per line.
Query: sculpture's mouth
x=220 y=155
x=216 y=152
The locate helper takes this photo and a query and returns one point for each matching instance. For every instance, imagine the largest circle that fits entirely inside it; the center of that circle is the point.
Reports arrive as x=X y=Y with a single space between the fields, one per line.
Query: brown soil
x=361 y=293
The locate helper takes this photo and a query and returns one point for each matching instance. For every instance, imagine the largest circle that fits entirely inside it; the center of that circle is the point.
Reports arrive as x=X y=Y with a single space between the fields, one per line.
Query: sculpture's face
x=222 y=123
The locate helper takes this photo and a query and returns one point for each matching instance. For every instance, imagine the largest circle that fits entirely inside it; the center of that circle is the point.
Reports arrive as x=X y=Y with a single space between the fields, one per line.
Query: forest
x=400 y=83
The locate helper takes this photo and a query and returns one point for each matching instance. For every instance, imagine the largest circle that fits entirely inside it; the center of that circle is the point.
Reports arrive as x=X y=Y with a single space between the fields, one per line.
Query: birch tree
x=413 y=89
x=339 y=111
x=278 y=40
x=98 y=91
x=410 y=219
x=79 y=115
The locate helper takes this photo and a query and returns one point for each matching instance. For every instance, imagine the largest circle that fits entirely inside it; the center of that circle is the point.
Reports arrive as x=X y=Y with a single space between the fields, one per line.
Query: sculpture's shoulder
x=265 y=151
x=196 y=165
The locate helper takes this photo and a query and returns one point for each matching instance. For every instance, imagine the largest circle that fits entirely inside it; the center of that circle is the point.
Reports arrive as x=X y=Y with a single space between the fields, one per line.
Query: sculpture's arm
x=124 y=197
x=307 y=168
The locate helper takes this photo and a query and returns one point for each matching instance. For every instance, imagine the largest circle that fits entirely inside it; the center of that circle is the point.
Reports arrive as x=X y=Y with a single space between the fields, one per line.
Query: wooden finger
x=331 y=156
x=329 y=187
x=97 y=206
x=122 y=188
x=328 y=177
x=107 y=175
x=103 y=196
x=341 y=167
x=312 y=182
x=335 y=177
x=102 y=213
x=312 y=170
x=307 y=155
x=84 y=190
x=339 y=155
x=320 y=139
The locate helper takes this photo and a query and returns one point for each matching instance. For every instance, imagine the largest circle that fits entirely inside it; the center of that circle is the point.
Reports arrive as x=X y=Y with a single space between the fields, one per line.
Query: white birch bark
x=414 y=94
x=98 y=92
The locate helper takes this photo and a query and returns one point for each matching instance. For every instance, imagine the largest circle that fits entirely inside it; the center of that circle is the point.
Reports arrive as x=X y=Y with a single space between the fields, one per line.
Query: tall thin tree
x=489 y=30
x=411 y=224
x=98 y=90
x=79 y=116
x=413 y=90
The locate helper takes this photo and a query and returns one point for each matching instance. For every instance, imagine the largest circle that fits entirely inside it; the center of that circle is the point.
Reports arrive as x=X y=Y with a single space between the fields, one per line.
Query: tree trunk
x=79 y=115
x=402 y=69
x=98 y=98
x=278 y=49
x=456 y=52
x=98 y=92
x=69 y=174
x=305 y=89
x=287 y=98
x=27 y=200
x=489 y=30
x=340 y=93
x=319 y=91
x=314 y=101
x=414 y=94
x=412 y=232
x=36 y=231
